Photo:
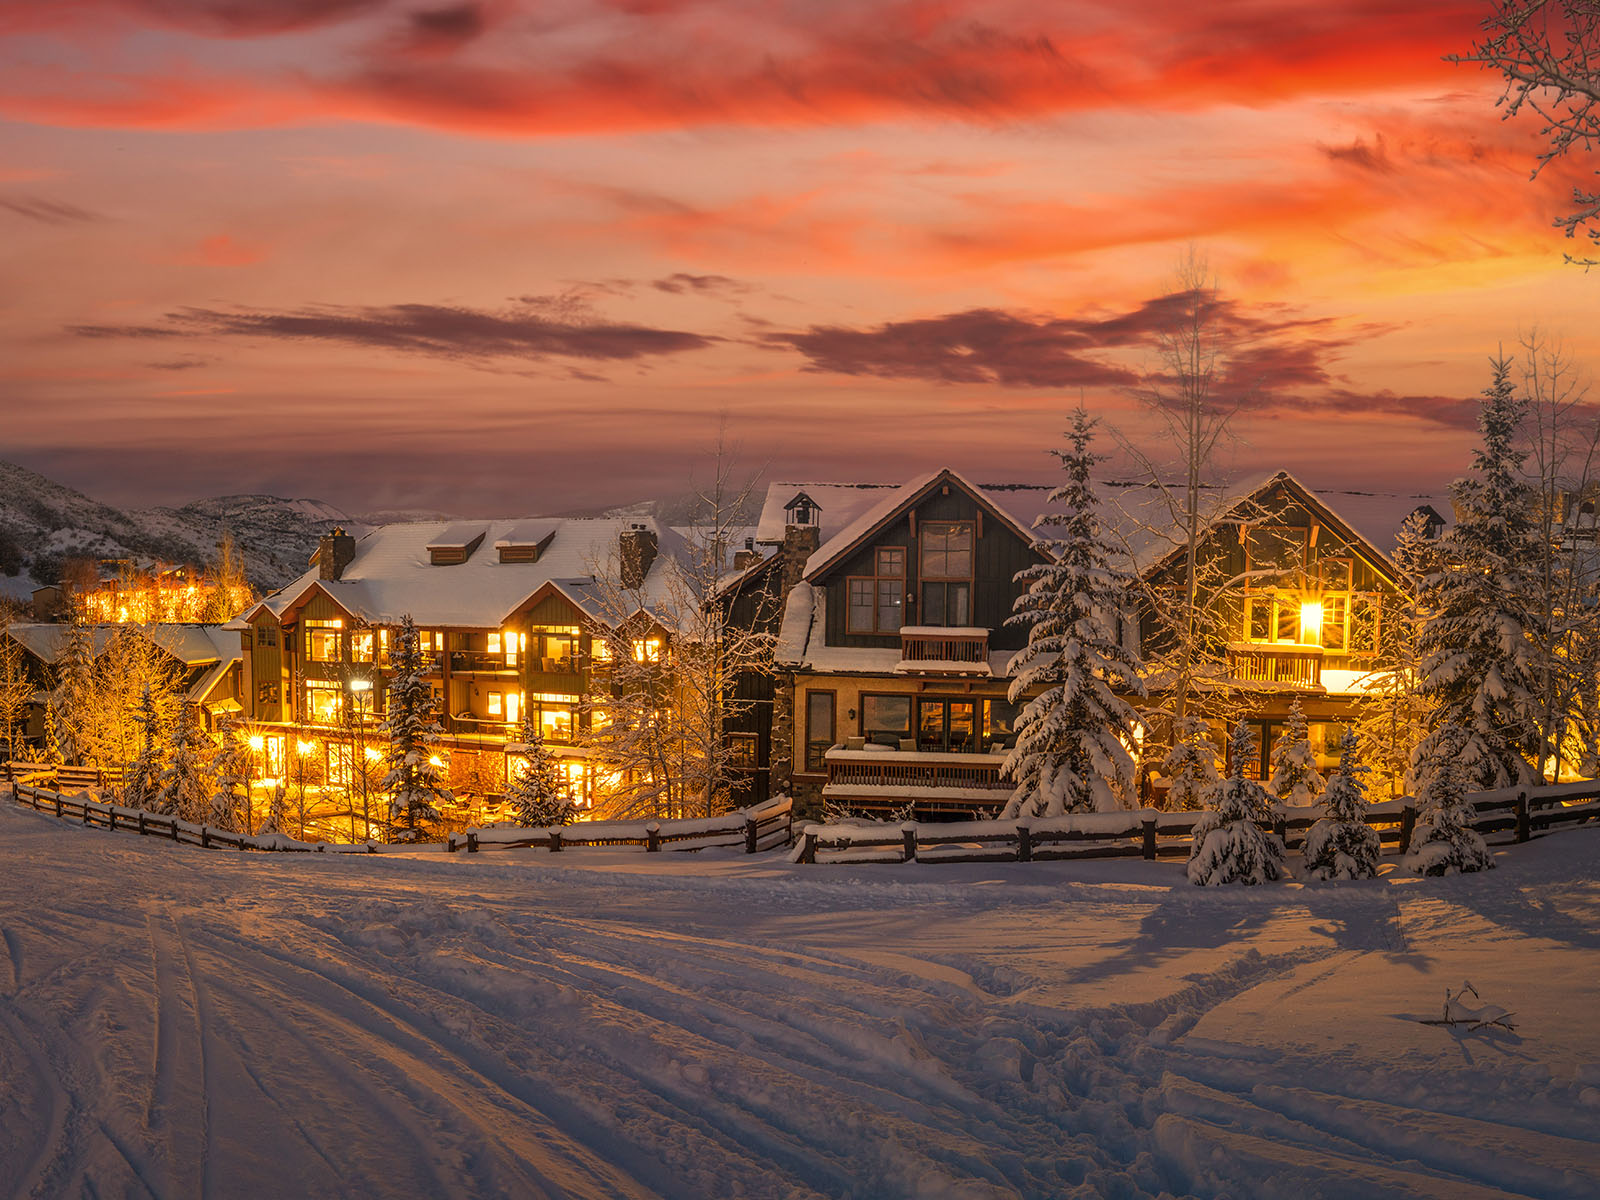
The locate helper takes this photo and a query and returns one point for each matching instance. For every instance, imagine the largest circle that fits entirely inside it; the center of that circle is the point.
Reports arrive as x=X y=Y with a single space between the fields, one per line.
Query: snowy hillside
x=43 y=523
x=611 y=1024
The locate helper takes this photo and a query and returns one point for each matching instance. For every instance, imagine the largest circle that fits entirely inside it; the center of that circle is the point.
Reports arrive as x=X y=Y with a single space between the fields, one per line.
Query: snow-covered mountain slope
x=43 y=523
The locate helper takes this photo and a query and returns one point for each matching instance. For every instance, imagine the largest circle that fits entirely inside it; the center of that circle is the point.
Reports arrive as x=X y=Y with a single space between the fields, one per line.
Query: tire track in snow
x=178 y=1111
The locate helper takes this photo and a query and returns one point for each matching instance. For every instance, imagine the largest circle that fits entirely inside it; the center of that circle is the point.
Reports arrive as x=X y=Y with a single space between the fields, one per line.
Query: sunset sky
x=511 y=256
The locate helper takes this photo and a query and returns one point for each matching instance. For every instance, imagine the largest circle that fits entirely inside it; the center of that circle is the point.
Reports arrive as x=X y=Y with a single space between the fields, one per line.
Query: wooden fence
x=1147 y=833
x=27 y=790
x=763 y=826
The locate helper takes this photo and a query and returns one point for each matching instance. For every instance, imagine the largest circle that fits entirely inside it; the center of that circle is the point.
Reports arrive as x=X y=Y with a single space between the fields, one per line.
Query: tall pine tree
x=1229 y=844
x=1477 y=648
x=1075 y=736
x=186 y=783
x=74 y=698
x=141 y=784
x=1393 y=717
x=1295 y=778
x=538 y=792
x=414 y=781
x=1342 y=845
x=233 y=765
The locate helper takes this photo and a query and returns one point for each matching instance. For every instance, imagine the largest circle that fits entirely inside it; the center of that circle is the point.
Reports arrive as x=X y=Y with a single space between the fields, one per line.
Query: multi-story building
x=894 y=648
x=512 y=617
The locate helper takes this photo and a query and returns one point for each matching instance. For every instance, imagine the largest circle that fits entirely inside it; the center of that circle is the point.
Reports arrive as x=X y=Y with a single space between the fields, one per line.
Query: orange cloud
x=222 y=250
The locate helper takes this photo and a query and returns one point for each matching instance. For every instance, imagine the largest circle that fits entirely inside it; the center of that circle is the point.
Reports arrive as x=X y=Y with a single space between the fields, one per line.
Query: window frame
x=811 y=742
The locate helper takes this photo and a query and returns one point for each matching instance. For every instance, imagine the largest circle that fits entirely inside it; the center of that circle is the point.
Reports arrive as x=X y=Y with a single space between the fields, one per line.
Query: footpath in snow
x=176 y=1022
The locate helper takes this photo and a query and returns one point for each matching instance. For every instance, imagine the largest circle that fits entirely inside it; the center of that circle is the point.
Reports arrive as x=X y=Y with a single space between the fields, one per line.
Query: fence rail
x=1147 y=833
x=763 y=826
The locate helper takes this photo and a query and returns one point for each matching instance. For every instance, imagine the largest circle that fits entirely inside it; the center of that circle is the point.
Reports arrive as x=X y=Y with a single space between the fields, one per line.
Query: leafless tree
x=1549 y=53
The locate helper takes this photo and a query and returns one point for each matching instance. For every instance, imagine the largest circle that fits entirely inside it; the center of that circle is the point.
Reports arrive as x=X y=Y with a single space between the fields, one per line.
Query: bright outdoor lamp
x=1311 y=622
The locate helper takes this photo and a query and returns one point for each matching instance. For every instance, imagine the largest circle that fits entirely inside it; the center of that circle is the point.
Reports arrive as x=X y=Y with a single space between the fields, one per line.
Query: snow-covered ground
x=175 y=1022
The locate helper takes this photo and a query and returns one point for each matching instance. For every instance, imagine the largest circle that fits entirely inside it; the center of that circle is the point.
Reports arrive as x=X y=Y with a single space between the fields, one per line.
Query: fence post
x=555 y=841
x=205 y=837
x=174 y=828
x=652 y=838
x=1523 y=831
x=111 y=818
x=58 y=803
x=1024 y=843
x=472 y=841
x=83 y=807
x=1408 y=825
x=141 y=822
x=749 y=835
x=808 y=845
x=1149 y=824
x=908 y=837
x=450 y=843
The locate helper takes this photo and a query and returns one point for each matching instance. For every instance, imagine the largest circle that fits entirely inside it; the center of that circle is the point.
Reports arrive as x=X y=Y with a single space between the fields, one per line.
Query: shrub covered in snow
x=141 y=783
x=1229 y=845
x=1444 y=840
x=1073 y=736
x=1342 y=845
x=1295 y=778
x=1191 y=765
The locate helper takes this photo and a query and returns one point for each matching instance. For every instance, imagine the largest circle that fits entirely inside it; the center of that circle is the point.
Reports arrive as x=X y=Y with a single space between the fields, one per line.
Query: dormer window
x=525 y=541
x=455 y=545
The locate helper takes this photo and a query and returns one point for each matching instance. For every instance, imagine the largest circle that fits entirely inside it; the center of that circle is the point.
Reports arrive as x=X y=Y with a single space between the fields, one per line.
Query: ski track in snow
x=185 y=1024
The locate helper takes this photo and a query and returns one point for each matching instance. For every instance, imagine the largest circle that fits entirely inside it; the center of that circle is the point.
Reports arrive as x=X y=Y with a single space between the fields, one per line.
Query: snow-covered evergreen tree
x=1190 y=767
x=1477 y=647
x=1393 y=718
x=276 y=817
x=233 y=765
x=1075 y=736
x=141 y=782
x=414 y=781
x=186 y=783
x=1444 y=840
x=1229 y=845
x=1295 y=778
x=51 y=755
x=1342 y=845
x=538 y=792
x=73 y=699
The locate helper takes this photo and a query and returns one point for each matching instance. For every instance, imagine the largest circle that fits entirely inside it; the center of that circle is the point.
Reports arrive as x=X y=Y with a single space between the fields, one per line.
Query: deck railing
x=1289 y=664
x=935 y=647
x=934 y=782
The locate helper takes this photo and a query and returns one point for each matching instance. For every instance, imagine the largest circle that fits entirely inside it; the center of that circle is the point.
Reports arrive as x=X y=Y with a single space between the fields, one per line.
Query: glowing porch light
x=436 y=761
x=1311 y=622
x=361 y=685
x=304 y=747
x=372 y=754
x=258 y=743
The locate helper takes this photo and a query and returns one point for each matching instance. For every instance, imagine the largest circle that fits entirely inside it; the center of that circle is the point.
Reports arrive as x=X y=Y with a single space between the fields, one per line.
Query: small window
x=891 y=562
x=1335 y=574
x=361 y=646
x=1364 y=611
x=1335 y=635
x=647 y=650
x=497 y=707
x=1287 y=627
x=819 y=728
x=322 y=640
x=886 y=719
x=1260 y=618
x=946 y=551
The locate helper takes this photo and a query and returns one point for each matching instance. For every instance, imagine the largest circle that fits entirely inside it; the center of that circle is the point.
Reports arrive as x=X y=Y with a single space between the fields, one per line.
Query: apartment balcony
x=936 y=648
x=957 y=784
x=470 y=661
x=1276 y=665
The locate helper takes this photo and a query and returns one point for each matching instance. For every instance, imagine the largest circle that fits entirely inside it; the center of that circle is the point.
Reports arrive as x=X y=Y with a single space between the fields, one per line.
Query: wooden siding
x=998 y=555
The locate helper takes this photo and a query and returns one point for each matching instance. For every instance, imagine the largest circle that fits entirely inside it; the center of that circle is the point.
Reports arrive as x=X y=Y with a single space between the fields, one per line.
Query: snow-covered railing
x=1151 y=834
x=761 y=827
x=136 y=820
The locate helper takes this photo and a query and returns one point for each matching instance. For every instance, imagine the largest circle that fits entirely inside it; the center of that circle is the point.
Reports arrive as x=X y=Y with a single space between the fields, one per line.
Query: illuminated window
x=322 y=640
x=647 y=650
x=324 y=701
x=361 y=646
x=1334 y=630
x=600 y=649
x=497 y=706
x=513 y=707
x=494 y=643
x=556 y=715
x=341 y=770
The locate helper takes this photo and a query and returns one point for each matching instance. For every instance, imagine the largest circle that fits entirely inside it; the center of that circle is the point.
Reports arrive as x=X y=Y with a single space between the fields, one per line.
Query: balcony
x=1276 y=664
x=464 y=661
x=926 y=648
x=871 y=780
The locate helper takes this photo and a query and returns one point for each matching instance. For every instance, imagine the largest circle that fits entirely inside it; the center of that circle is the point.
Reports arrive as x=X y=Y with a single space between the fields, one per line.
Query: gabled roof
x=837 y=503
x=46 y=641
x=392 y=575
x=192 y=645
x=892 y=507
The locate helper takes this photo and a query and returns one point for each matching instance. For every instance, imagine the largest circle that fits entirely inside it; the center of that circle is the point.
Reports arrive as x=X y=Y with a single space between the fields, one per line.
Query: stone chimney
x=334 y=553
x=638 y=547
x=800 y=542
x=748 y=557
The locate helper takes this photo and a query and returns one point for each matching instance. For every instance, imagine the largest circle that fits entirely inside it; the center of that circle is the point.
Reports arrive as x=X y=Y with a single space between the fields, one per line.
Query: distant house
x=894 y=649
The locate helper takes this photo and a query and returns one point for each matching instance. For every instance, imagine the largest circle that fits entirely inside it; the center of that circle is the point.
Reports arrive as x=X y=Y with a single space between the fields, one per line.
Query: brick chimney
x=748 y=557
x=638 y=547
x=334 y=553
x=800 y=542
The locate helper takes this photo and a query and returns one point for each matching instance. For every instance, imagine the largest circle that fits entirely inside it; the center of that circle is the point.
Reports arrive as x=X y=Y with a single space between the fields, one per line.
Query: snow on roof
x=209 y=678
x=527 y=533
x=392 y=574
x=457 y=537
x=837 y=504
x=191 y=645
x=1378 y=516
x=45 y=642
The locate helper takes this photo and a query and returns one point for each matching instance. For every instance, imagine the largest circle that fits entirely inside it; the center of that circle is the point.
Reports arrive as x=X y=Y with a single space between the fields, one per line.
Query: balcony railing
x=470 y=660
x=1279 y=664
x=936 y=648
x=934 y=782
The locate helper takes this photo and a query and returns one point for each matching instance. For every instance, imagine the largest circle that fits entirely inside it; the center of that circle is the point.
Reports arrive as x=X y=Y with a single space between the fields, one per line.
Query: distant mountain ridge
x=44 y=523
